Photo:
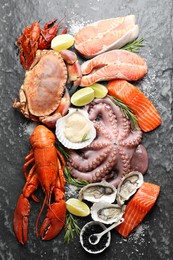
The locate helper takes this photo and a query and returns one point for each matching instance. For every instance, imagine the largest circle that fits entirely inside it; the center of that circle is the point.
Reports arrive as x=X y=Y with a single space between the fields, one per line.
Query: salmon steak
x=138 y=207
x=116 y=64
x=147 y=115
x=105 y=35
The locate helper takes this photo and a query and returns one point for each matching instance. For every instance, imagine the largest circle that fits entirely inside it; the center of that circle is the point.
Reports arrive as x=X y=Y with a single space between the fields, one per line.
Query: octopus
x=115 y=151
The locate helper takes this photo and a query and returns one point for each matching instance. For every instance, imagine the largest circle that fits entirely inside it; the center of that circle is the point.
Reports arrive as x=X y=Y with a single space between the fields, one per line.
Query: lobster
x=46 y=168
x=34 y=38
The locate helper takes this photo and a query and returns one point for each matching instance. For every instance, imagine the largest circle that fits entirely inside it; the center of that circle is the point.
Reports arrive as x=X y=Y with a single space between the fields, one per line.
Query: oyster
x=75 y=130
x=95 y=192
x=106 y=212
x=128 y=186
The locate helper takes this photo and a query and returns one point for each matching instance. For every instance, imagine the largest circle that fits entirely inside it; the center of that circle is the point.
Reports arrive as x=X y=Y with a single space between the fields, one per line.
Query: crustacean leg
x=61 y=111
x=49 y=32
x=56 y=214
x=22 y=104
x=22 y=210
x=30 y=160
x=74 y=69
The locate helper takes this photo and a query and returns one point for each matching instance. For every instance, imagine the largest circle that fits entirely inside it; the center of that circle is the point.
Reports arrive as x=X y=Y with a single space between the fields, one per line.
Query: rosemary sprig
x=84 y=138
x=62 y=150
x=134 y=46
x=127 y=111
x=71 y=228
x=73 y=181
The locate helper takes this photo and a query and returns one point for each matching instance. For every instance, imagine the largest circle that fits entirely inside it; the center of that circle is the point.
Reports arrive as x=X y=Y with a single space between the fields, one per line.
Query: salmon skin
x=138 y=207
x=105 y=35
x=116 y=64
x=147 y=115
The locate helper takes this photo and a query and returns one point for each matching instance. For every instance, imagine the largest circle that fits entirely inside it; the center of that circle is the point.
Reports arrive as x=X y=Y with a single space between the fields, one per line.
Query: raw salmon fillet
x=138 y=207
x=114 y=64
x=105 y=35
x=147 y=115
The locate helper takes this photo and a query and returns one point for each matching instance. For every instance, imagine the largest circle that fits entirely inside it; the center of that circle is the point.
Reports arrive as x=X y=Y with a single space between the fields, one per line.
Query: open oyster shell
x=106 y=212
x=128 y=186
x=60 y=127
x=95 y=192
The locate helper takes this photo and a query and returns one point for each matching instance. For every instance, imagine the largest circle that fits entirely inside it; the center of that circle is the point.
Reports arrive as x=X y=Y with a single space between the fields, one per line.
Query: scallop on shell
x=98 y=191
x=106 y=212
x=128 y=186
x=75 y=129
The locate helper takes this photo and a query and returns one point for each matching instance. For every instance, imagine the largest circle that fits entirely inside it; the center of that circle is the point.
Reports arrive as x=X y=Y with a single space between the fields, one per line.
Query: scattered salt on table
x=71 y=191
x=27 y=128
x=77 y=23
x=139 y=234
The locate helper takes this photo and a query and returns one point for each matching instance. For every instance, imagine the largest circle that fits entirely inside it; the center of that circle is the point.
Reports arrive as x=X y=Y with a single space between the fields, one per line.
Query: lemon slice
x=82 y=97
x=77 y=207
x=62 y=42
x=100 y=91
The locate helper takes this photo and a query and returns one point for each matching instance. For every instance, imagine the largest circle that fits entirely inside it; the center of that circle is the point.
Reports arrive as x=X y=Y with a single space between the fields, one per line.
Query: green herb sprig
x=62 y=150
x=71 y=228
x=84 y=138
x=73 y=181
x=134 y=46
x=127 y=111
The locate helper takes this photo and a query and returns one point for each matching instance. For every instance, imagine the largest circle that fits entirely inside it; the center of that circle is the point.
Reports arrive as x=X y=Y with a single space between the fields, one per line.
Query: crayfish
x=34 y=38
x=47 y=165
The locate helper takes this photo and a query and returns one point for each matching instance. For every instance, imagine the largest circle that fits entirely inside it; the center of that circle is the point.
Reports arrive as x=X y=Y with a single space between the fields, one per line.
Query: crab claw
x=62 y=110
x=54 y=221
x=75 y=75
x=20 y=221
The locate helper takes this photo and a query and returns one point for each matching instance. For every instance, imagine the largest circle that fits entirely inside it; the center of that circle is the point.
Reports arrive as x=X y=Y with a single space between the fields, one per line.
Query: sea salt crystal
x=28 y=128
x=77 y=23
x=139 y=235
x=71 y=191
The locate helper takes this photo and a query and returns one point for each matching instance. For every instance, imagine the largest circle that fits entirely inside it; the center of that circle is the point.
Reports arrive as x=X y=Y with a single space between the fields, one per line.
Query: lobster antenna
x=56 y=215
x=49 y=205
x=41 y=210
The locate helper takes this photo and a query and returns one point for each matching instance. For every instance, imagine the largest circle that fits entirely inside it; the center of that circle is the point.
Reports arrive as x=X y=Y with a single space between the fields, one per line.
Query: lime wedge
x=77 y=207
x=100 y=91
x=82 y=97
x=62 y=42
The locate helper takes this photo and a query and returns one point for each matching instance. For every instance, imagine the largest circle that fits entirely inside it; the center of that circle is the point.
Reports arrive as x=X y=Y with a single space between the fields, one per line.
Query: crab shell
x=42 y=95
x=45 y=83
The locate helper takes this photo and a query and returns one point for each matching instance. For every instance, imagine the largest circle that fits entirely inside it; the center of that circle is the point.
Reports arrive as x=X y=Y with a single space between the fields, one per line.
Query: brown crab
x=42 y=95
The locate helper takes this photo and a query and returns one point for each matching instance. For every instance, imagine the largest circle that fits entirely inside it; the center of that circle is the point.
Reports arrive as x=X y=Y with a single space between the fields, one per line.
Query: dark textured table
x=153 y=238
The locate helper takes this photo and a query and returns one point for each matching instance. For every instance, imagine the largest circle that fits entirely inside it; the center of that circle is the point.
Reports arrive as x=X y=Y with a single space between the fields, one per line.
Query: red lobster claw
x=54 y=221
x=20 y=221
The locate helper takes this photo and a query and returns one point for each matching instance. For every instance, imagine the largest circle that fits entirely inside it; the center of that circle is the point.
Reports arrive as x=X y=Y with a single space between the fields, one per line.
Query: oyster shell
x=106 y=212
x=128 y=186
x=79 y=135
x=95 y=192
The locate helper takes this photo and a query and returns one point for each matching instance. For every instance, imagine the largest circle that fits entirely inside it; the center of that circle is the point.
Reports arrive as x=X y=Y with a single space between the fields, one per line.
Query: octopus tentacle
x=86 y=162
x=113 y=153
x=121 y=120
x=103 y=117
x=132 y=140
x=98 y=144
x=98 y=173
